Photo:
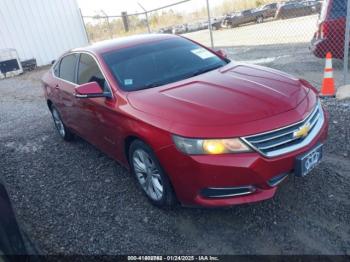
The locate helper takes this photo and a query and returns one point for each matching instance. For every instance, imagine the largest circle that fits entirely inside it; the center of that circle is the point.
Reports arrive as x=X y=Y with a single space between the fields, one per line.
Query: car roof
x=102 y=47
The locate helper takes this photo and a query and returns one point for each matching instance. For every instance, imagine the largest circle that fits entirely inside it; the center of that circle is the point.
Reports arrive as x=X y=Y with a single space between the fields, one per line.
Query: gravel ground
x=72 y=199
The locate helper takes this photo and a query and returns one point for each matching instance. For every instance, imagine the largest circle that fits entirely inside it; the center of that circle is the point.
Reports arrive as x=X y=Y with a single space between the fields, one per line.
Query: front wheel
x=63 y=131
x=150 y=175
x=260 y=19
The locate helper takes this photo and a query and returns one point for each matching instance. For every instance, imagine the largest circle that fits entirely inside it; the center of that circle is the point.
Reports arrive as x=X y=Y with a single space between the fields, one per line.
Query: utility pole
x=210 y=27
x=146 y=13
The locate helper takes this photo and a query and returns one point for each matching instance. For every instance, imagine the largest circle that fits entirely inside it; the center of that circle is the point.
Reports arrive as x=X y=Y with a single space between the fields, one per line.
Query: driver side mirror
x=90 y=90
x=221 y=53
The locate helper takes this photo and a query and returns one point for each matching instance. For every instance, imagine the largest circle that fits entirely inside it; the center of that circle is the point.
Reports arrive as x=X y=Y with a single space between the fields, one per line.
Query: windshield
x=158 y=63
x=338 y=9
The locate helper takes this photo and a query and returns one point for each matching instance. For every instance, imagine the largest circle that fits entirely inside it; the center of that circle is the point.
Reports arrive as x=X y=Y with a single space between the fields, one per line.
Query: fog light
x=226 y=192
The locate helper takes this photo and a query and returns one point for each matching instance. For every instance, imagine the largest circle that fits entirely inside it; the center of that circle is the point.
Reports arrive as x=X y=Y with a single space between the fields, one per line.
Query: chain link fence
x=102 y=26
x=281 y=34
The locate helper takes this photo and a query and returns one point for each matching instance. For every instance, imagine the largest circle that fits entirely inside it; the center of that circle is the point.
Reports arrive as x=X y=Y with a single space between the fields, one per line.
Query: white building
x=41 y=29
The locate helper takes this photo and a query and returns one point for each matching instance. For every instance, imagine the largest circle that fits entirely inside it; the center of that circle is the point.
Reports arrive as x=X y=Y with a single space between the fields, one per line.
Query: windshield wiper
x=150 y=85
x=160 y=83
x=206 y=69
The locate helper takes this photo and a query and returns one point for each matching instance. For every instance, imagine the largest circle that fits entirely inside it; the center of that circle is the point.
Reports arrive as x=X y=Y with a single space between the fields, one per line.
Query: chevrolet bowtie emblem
x=303 y=131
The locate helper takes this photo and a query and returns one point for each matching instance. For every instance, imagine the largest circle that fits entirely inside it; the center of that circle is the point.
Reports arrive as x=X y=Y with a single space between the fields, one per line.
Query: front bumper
x=192 y=176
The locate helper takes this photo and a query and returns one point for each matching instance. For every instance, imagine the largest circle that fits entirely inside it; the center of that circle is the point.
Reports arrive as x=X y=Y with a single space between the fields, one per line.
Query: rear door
x=65 y=87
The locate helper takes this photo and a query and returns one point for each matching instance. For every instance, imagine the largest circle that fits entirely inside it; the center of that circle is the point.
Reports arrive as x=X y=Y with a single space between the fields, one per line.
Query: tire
x=260 y=19
x=62 y=130
x=150 y=176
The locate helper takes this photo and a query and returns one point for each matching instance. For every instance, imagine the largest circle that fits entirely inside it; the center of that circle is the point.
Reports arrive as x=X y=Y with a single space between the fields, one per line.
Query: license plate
x=307 y=162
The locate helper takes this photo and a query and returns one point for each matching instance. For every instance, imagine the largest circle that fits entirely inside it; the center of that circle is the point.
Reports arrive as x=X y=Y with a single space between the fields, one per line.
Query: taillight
x=321 y=31
x=324 y=30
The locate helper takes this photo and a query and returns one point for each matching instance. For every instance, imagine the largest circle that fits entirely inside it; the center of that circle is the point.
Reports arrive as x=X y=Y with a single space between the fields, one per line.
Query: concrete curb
x=343 y=92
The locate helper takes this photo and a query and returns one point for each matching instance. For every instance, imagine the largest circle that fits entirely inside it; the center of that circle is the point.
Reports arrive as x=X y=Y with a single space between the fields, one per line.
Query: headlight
x=193 y=146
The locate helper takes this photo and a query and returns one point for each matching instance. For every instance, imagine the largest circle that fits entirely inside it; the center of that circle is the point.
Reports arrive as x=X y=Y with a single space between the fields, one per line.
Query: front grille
x=283 y=140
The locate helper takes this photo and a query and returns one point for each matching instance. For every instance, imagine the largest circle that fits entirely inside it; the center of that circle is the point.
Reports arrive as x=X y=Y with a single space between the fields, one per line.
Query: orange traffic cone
x=328 y=88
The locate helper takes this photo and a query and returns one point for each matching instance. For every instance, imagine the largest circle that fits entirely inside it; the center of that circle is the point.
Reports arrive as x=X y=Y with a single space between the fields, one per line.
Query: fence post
x=210 y=27
x=346 y=44
x=148 y=28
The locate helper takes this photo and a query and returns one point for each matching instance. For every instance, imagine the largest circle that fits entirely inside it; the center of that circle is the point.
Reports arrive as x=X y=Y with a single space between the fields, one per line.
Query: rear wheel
x=150 y=175
x=61 y=128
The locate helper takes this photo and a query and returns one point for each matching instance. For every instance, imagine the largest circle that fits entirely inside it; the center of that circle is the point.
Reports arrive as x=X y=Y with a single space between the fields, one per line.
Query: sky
x=115 y=7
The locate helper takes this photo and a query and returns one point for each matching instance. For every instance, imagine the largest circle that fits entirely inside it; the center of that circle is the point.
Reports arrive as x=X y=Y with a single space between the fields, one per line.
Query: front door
x=96 y=114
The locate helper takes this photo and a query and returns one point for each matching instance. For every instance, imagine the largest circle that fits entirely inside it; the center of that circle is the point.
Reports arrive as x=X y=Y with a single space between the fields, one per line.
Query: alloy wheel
x=58 y=123
x=148 y=174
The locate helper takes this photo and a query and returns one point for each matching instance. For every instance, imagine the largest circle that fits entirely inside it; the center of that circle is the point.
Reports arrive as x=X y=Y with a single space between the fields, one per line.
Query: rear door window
x=67 y=67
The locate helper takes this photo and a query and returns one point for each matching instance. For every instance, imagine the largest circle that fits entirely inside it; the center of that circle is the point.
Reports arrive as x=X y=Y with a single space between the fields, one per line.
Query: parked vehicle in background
x=175 y=113
x=244 y=17
x=268 y=10
x=330 y=33
x=216 y=23
x=294 y=9
x=193 y=27
x=180 y=29
x=166 y=30
x=315 y=5
x=204 y=25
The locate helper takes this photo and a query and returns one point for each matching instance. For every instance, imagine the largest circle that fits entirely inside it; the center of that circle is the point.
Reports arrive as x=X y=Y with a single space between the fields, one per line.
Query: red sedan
x=191 y=125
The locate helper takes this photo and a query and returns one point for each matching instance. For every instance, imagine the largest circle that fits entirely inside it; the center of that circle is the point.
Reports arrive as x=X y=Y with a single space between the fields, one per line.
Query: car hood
x=233 y=94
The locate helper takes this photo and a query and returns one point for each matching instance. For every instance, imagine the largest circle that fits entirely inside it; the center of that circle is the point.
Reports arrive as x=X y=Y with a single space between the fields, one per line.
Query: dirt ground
x=72 y=199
